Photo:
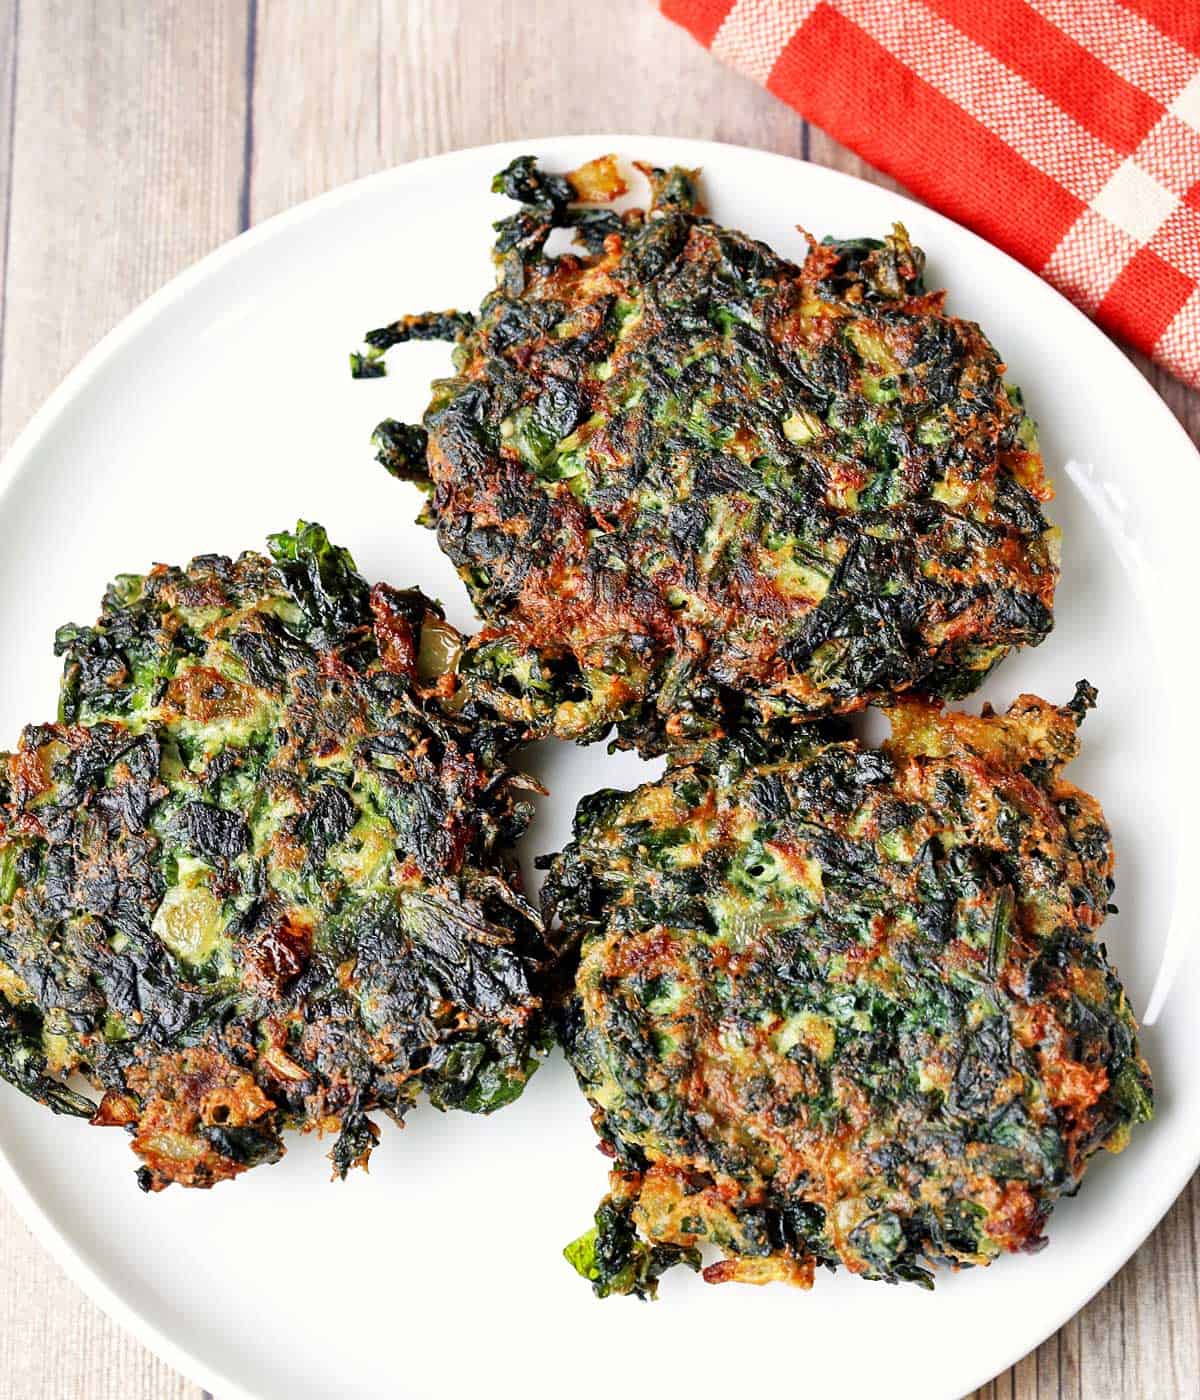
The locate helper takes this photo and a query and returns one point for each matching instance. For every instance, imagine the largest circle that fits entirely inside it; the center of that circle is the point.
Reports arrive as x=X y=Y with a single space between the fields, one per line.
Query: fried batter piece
x=256 y=878
x=689 y=483
x=846 y=1006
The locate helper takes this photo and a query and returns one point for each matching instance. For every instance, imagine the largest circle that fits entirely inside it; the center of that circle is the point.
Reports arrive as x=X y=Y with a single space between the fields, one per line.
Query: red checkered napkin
x=1066 y=131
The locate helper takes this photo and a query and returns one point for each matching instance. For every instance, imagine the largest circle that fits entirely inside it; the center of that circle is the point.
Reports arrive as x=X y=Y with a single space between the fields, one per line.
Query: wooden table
x=135 y=137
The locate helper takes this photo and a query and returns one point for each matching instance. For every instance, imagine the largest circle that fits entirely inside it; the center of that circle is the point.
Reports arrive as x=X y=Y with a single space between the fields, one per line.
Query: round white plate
x=223 y=410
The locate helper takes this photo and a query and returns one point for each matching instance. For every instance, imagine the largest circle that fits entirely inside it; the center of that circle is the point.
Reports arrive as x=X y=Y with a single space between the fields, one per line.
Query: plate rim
x=18 y=460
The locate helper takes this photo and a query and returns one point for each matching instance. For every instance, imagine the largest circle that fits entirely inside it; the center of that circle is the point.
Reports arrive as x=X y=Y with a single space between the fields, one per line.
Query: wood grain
x=8 y=92
x=134 y=137
x=127 y=139
x=121 y=135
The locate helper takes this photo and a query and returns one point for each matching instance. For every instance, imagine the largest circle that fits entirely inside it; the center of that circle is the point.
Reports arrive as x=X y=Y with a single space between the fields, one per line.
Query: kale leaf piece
x=845 y=1006
x=692 y=484
x=258 y=875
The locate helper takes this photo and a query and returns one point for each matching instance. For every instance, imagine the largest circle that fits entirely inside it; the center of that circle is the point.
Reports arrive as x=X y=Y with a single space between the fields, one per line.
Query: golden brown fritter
x=689 y=483
x=257 y=878
x=846 y=1006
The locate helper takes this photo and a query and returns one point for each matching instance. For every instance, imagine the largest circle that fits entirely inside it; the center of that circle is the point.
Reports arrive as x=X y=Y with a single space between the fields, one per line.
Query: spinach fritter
x=255 y=878
x=838 y=1005
x=687 y=481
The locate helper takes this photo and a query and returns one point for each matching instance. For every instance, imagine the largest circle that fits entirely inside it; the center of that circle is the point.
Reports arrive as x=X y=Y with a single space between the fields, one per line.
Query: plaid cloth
x=1066 y=131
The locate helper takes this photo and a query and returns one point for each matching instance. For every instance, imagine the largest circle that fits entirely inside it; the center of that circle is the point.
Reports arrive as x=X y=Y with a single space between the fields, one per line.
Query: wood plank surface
x=134 y=137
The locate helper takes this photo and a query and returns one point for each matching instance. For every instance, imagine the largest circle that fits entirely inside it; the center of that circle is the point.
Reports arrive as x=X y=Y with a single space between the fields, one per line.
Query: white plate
x=223 y=410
